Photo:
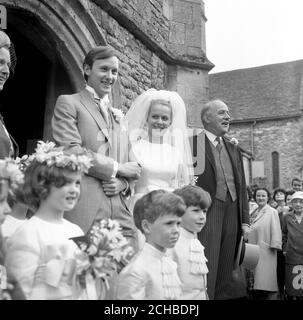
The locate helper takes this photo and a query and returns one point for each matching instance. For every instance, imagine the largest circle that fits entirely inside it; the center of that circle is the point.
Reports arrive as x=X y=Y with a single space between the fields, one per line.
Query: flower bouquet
x=104 y=251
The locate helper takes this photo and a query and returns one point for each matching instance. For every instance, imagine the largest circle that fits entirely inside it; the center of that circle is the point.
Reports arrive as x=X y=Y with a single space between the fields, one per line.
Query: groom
x=86 y=120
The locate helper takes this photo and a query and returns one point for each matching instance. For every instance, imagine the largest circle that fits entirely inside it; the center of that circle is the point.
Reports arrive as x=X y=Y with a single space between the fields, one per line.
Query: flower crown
x=9 y=170
x=47 y=153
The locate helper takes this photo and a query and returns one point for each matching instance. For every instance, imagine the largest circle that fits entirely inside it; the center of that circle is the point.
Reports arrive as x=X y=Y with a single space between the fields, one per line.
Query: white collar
x=187 y=234
x=212 y=137
x=154 y=251
x=93 y=91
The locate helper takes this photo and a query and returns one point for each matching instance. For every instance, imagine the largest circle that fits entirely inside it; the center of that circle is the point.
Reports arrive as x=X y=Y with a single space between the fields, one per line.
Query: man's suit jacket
x=77 y=123
x=207 y=179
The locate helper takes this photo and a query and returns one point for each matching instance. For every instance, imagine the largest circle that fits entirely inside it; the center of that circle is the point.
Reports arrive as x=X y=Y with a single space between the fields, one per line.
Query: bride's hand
x=129 y=170
x=113 y=186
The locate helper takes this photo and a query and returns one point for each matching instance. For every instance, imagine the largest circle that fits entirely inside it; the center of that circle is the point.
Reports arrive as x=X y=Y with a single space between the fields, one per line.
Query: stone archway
x=69 y=26
x=51 y=40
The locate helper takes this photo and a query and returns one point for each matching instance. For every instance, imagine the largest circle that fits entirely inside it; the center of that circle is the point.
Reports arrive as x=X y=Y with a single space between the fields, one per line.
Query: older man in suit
x=227 y=218
x=87 y=120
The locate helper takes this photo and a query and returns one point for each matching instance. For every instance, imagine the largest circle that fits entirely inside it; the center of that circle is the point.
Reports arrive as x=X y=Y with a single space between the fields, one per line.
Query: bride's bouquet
x=104 y=251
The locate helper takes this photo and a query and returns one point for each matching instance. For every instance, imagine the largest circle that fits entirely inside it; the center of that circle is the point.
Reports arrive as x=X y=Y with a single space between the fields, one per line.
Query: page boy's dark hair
x=194 y=196
x=155 y=204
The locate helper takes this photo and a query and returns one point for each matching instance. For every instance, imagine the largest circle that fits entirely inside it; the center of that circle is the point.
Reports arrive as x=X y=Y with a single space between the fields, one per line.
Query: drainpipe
x=252 y=137
x=252 y=146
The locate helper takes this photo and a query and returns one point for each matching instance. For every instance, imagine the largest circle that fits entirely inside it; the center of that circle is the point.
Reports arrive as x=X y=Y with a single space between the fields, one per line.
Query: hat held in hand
x=247 y=255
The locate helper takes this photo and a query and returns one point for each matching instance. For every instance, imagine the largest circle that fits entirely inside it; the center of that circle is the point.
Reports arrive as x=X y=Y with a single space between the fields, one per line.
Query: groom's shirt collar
x=93 y=91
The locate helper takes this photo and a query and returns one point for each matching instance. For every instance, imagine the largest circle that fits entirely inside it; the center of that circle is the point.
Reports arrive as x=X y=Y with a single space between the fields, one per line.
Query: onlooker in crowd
x=272 y=203
x=189 y=252
x=265 y=230
x=279 y=196
x=297 y=184
x=152 y=275
x=228 y=216
x=288 y=197
x=293 y=248
x=87 y=120
x=251 y=201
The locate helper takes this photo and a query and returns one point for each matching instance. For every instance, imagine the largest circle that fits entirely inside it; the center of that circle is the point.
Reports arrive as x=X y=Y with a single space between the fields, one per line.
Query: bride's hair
x=160 y=101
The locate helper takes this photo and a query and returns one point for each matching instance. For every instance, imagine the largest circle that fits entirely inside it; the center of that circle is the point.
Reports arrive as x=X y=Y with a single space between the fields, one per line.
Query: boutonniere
x=194 y=180
x=234 y=141
x=118 y=114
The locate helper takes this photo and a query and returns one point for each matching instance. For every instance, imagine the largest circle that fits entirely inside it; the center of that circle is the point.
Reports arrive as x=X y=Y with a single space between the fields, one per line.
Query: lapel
x=296 y=225
x=260 y=214
x=231 y=150
x=90 y=105
x=208 y=152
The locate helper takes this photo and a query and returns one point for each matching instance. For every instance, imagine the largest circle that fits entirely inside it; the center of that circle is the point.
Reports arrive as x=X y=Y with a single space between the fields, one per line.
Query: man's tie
x=219 y=145
x=101 y=105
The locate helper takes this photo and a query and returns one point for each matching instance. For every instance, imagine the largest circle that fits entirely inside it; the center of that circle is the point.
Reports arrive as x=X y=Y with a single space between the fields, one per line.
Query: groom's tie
x=103 y=110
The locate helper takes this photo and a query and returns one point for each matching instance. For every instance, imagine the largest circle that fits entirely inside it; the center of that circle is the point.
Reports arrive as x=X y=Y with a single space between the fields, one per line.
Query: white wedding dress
x=160 y=167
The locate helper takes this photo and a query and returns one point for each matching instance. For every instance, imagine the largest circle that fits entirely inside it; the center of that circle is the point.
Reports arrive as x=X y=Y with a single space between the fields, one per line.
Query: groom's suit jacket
x=207 y=179
x=77 y=123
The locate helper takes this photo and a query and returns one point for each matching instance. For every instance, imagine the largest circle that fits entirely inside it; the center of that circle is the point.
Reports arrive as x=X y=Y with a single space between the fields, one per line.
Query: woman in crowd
x=266 y=232
x=251 y=200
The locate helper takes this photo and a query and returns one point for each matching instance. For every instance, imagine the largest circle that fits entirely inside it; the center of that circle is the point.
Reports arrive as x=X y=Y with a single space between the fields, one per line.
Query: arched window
x=275 y=169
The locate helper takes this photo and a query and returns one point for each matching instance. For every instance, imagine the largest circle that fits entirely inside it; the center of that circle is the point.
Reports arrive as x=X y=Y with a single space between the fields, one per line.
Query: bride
x=159 y=142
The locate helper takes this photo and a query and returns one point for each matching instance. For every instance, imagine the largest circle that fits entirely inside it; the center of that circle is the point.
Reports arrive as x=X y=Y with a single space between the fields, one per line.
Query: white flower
x=9 y=170
x=118 y=114
x=194 y=180
x=48 y=153
x=234 y=141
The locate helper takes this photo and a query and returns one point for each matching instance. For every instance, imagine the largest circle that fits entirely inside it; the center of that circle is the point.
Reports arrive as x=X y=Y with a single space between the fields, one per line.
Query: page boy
x=152 y=275
x=189 y=252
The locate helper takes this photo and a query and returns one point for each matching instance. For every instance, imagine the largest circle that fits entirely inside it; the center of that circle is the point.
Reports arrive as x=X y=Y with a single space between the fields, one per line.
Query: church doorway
x=28 y=98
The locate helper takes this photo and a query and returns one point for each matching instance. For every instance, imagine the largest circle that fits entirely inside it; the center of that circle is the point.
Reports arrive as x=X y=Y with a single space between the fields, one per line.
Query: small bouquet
x=104 y=251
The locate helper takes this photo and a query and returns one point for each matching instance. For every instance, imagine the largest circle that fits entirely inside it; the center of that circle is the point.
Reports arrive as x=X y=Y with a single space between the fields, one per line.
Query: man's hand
x=129 y=170
x=113 y=186
x=245 y=231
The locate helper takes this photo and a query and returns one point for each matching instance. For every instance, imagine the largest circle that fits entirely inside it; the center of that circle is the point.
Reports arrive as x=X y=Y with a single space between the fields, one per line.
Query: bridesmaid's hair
x=194 y=196
x=38 y=180
x=264 y=189
x=155 y=204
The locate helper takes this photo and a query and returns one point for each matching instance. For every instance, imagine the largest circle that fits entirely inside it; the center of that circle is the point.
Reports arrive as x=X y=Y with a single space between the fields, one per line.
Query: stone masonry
x=161 y=45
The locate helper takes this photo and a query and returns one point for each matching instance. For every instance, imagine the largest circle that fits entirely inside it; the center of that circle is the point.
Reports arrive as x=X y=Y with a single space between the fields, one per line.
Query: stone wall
x=140 y=68
x=154 y=51
x=283 y=136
